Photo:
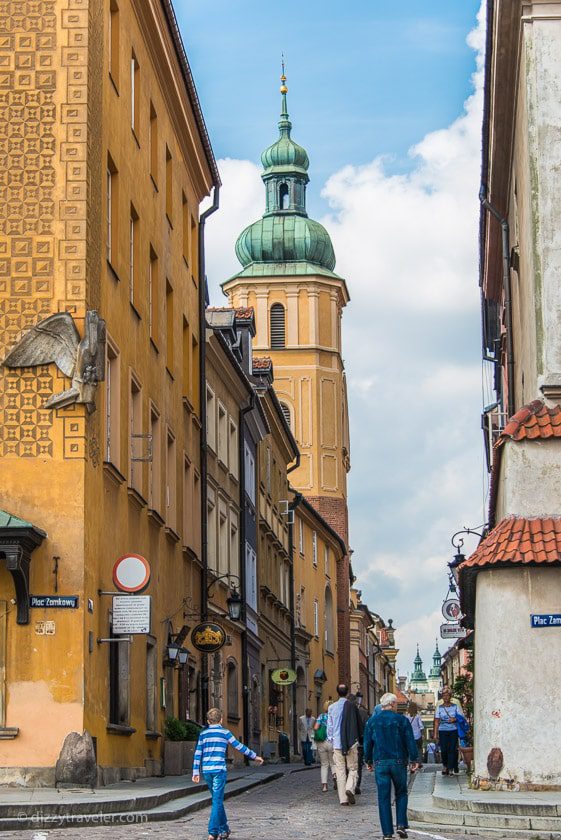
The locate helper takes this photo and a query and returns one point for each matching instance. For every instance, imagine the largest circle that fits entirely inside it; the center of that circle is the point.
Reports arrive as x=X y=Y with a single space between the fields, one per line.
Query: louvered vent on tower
x=277 y=326
x=286 y=411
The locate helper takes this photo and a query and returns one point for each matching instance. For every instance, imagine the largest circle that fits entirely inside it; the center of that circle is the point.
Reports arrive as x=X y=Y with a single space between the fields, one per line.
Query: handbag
x=320 y=734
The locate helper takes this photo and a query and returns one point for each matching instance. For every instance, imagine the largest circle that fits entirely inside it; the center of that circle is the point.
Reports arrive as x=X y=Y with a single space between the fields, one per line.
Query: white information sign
x=452 y=631
x=131 y=614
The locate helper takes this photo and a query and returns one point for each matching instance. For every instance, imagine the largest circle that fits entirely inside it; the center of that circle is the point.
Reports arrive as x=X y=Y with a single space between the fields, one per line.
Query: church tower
x=288 y=278
x=418 y=682
x=435 y=679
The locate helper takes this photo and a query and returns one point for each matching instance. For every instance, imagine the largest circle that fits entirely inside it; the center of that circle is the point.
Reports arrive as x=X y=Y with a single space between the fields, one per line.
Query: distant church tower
x=418 y=682
x=435 y=679
x=288 y=278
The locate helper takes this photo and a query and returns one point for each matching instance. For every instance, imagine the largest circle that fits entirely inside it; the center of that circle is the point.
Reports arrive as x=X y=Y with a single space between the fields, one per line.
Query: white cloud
x=407 y=246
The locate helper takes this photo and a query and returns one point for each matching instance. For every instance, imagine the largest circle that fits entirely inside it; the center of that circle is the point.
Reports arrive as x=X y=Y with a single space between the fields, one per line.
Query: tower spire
x=284 y=123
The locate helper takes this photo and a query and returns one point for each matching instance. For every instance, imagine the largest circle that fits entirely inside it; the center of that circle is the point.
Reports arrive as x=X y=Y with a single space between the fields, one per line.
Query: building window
x=135 y=442
x=195 y=374
x=194 y=252
x=233 y=453
x=169 y=327
x=234 y=545
x=326 y=559
x=316 y=617
x=301 y=536
x=188 y=522
x=222 y=434
x=210 y=419
x=211 y=532
x=268 y=467
x=251 y=577
x=119 y=680
x=153 y=144
x=249 y=473
x=223 y=540
x=329 y=634
x=155 y=465
x=135 y=93
x=186 y=227
x=171 y=481
x=302 y=606
x=153 y=300
x=284 y=198
x=232 y=690
x=112 y=404
x=114 y=42
x=111 y=210
x=186 y=367
x=277 y=324
x=286 y=414
x=134 y=240
x=194 y=541
x=169 y=185
x=315 y=548
x=151 y=685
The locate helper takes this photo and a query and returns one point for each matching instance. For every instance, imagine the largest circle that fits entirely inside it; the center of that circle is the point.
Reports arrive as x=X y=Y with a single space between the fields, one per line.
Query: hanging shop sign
x=208 y=637
x=452 y=631
x=131 y=573
x=131 y=614
x=451 y=609
x=283 y=676
x=546 y=620
x=61 y=602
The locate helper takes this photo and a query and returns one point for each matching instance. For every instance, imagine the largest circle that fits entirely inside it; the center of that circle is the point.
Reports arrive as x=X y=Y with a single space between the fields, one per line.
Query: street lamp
x=183 y=656
x=234 y=604
x=173 y=651
x=459 y=557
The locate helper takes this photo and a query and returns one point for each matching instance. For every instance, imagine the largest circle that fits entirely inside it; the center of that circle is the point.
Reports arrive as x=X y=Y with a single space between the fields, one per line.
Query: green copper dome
x=285 y=241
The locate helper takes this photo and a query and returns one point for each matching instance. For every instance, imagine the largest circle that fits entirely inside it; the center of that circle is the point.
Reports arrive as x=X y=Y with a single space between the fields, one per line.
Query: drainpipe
x=507 y=288
x=292 y=507
x=245 y=660
x=202 y=411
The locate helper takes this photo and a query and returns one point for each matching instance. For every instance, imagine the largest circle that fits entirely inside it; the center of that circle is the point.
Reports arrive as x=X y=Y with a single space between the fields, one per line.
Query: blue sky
x=387 y=100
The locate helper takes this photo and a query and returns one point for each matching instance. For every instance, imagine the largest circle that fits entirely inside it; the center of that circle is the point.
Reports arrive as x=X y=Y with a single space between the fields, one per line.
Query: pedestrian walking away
x=210 y=762
x=417 y=724
x=431 y=752
x=344 y=731
x=324 y=748
x=446 y=730
x=389 y=745
x=306 y=724
x=363 y=713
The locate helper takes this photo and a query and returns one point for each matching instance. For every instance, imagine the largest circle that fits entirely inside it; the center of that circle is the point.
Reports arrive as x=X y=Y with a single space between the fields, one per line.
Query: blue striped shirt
x=212 y=746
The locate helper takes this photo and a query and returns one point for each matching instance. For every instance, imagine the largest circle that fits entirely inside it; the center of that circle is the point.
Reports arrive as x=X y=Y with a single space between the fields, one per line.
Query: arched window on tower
x=284 y=198
x=277 y=324
x=286 y=412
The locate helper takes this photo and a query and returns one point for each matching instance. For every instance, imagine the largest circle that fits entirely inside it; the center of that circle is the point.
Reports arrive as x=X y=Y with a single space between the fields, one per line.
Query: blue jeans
x=388 y=771
x=307 y=753
x=218 y=823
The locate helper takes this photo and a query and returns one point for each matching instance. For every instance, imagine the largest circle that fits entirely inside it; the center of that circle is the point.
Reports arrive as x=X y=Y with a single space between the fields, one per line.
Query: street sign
x=131 y=614
x=208 y=637
x=131 y=573
x=283 y=676
x=61 y=602
x=546 y=620
x=451 y=609
x=452 y=631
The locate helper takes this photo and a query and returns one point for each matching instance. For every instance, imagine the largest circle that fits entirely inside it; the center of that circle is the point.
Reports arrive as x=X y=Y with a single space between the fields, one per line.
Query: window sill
x=113 y=473
x=120 y=729
x=135 y=310
x=8 y=733
x=170 y=223
x=137 y=498
x=154 y=184
x=172 y=534
x=113 y=272
x=188 y=405
x=134 y=134
x=151 y=735
x=155 y=517
x=114 y=83
x=170 y=374
x=154 y=345
x=329 y=653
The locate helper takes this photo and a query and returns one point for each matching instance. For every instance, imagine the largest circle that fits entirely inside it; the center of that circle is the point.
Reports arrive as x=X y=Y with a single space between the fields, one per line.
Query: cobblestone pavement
x=292 y=808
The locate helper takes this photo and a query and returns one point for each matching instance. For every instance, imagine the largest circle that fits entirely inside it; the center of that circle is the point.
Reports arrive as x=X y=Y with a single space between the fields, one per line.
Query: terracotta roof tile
x=533 y=421
x=519 y=541
x=262 y=363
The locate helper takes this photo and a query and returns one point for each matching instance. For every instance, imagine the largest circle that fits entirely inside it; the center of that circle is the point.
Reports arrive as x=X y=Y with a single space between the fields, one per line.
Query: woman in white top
x=416 y=722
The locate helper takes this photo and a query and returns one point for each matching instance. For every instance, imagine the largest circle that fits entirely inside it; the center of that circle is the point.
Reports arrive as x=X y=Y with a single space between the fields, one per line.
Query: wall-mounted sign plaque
x=208 y=637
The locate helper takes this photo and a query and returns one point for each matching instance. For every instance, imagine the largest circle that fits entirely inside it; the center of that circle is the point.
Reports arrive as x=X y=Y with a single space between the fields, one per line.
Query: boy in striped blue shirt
x=210 y=762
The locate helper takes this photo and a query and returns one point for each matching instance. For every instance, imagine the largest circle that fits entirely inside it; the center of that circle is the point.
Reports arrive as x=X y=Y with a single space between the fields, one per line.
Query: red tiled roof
x=263 y=363
x=245 y=314
x=520 y=541
x=533 y=421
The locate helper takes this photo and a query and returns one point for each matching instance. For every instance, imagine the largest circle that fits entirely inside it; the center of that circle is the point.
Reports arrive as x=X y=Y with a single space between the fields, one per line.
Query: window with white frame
x=155 y=465
x=315 y=548
x=222 y=434
x=268 y=470
x=233 y=453
x=211 y=419
x=112 y=403
x=211 y=531
x=171 y=481
x=234 y=545
x=316 y=617
x=251 y=577
x=223 y=539
x=326 y=559
x=249 y=461
x=301 y=536
x=135 y=425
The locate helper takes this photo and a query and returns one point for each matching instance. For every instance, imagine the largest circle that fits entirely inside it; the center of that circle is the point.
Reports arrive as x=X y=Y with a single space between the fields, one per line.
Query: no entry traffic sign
x=131 y=573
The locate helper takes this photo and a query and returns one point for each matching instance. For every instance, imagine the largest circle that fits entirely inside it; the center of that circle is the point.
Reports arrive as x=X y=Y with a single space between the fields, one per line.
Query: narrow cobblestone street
x=292 y=808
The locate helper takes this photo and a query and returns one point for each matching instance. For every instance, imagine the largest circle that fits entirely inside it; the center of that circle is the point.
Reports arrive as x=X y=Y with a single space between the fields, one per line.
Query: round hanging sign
x=131 y=573
x=208 y=637
x=283 y=676
x=451 y=609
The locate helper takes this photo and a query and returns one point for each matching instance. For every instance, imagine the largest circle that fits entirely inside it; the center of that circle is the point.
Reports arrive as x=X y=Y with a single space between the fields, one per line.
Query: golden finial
x=283 y=88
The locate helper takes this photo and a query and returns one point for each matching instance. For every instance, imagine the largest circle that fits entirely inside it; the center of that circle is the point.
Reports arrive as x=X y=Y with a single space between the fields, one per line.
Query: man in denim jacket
x=389 y=745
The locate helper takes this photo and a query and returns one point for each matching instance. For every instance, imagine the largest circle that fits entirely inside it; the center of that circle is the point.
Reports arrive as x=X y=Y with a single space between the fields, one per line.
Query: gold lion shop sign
x=208 y=637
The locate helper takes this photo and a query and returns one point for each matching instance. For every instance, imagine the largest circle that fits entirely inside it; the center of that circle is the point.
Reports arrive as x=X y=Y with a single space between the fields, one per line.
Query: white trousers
x=346 y=767
x=325 y=753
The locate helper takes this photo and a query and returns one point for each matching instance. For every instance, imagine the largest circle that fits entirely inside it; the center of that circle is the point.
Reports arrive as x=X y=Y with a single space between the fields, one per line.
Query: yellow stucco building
x=105 y=160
